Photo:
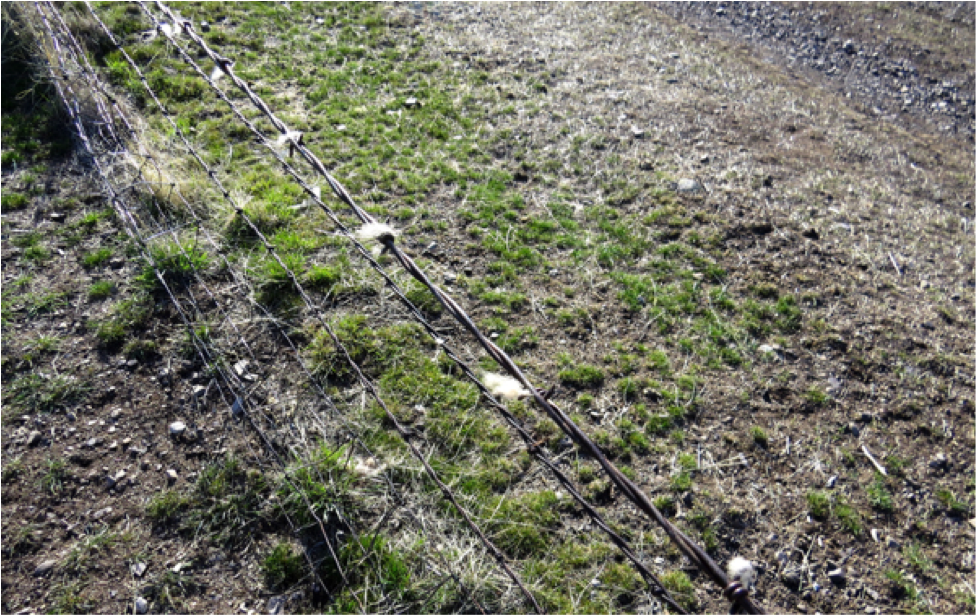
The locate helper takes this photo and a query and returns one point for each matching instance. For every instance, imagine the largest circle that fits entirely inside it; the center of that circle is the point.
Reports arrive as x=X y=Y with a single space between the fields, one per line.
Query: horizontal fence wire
x=368 y=385
x=657 y=588
x=734 y=590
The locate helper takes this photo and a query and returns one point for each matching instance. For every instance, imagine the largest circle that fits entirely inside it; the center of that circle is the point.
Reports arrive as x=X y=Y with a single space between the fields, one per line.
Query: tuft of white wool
x=291 y=135
x=368 y=468
x=505 y=387
x=742 y=570
x=374 y=231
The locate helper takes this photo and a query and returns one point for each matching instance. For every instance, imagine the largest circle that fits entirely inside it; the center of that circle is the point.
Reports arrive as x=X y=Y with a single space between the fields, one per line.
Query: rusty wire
x=371 y=389
x=692 y=551
x=134 y=136
x=657 y=588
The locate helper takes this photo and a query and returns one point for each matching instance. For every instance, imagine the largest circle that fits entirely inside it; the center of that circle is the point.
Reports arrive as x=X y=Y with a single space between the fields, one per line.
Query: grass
x=283 y=567
x=53 y=479
x=35 y=392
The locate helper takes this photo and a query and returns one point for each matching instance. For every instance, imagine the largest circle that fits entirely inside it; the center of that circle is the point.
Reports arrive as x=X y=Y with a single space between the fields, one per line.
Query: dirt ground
x=834 y=144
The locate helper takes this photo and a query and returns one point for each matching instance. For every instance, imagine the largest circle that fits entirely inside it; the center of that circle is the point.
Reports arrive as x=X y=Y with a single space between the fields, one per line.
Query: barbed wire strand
x=657 y=587
x=197 y=219
x=369 y=387
x=737 y=594
x=226 y=67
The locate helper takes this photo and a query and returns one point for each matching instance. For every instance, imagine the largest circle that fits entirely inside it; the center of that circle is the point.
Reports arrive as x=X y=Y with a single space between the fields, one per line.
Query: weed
x=582 y=377
x=681 y=482
x=166 y=506
x=228 y=503
x=848 y=517
x=688 y=462
x=48 y=302
x=97 y=258
x=816 y=397
x=916 y=557
x=41 y=393
x=283 y=567
x=52 y=481
x=103 y=289
x=759 y=436
x=952 y=505
x=680 y=586
x=79 y=556
x=11 y=201
x=819 y=504
x=141 y=350
x=879 y=496
x=67 y=599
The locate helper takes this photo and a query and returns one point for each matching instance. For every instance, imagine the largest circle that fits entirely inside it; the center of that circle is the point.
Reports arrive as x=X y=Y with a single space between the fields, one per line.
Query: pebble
x=411 y=102
x=204 y=26
x=138 y=569
x=688 y=185
x=45 y=567
x=637 y=132
x=199 y=390
x=114 y=480
x=142 y=605
x=831 y=482
x=176 y=428
x=33 y=438
x=791 y=578
x=171 y=475
x=939 y=462
x=837 y=576
x=276 y=605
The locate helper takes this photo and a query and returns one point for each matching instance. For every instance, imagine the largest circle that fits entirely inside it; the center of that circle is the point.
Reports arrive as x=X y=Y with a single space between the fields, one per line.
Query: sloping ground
x=740 y=349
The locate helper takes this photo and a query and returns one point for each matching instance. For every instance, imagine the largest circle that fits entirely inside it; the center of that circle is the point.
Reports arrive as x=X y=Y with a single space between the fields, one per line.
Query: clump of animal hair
x=375 y=231
x=505 y=387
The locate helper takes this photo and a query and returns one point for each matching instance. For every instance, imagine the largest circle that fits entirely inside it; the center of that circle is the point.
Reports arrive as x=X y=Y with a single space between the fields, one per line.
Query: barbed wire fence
x=733 y=591
x=237 y=403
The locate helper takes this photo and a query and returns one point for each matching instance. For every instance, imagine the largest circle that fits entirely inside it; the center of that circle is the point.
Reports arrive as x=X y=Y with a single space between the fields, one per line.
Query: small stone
x=204 y=26
x=874 y=535
x=831 y=482
x=791 y=578
x=637 y=132
x=837 y=576
x=688 y=185
x=34 y=438
x=276 y=605
x=854 y=430
x=705 y=159
x=873 y=595
x=893 y=544
x=319 y=21
x=57 y=216
x=131 y=363
x=45 y=567
x=141 y=606
x=177 y=428
x=199 y=390
x=138 y=569
x=768 y=349
x=114 y=480
x=98 y=514
x=939 y=462
x=171 y=476
x=93 y=442
x=240 y=368
x=411 y=102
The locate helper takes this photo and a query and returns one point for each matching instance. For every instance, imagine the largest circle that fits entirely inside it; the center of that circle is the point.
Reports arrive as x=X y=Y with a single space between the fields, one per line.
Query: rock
x=237 y=408
x=837 y=576
x=45 y=567
x=276 y=605
x=57 y=216
x=939 y=462
x=831 y=482
x=34 y=438
x=141 y=605
x=688 y=186
x=240 y=368
x=98 y=514
x=176 y=428
x=138 y=569
x=199 y=391
x=873 y=595
x=849 y=47
x=171 y=476
x=791 y=578
x=637 y=132
x=204 y=26
x=768 y=349
x=412 y=102
x=115 y=479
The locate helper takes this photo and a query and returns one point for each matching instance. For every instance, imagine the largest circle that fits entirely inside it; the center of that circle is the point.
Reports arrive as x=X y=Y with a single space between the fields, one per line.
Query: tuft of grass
x=12 y=201
x=166 y=506
x=96 y=258
x=54 y=477
x=41 y=393
x=818 y=503
x=681 y=587
x=952 y=505
x=879 y=496
x=283 y=567
x=759 y=436
x=582 y=377
x=103 y=289
x=816 y=396
x=681 y=482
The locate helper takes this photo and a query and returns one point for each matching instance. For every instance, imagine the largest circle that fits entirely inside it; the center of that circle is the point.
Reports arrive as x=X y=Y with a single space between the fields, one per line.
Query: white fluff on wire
x=506 y=387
